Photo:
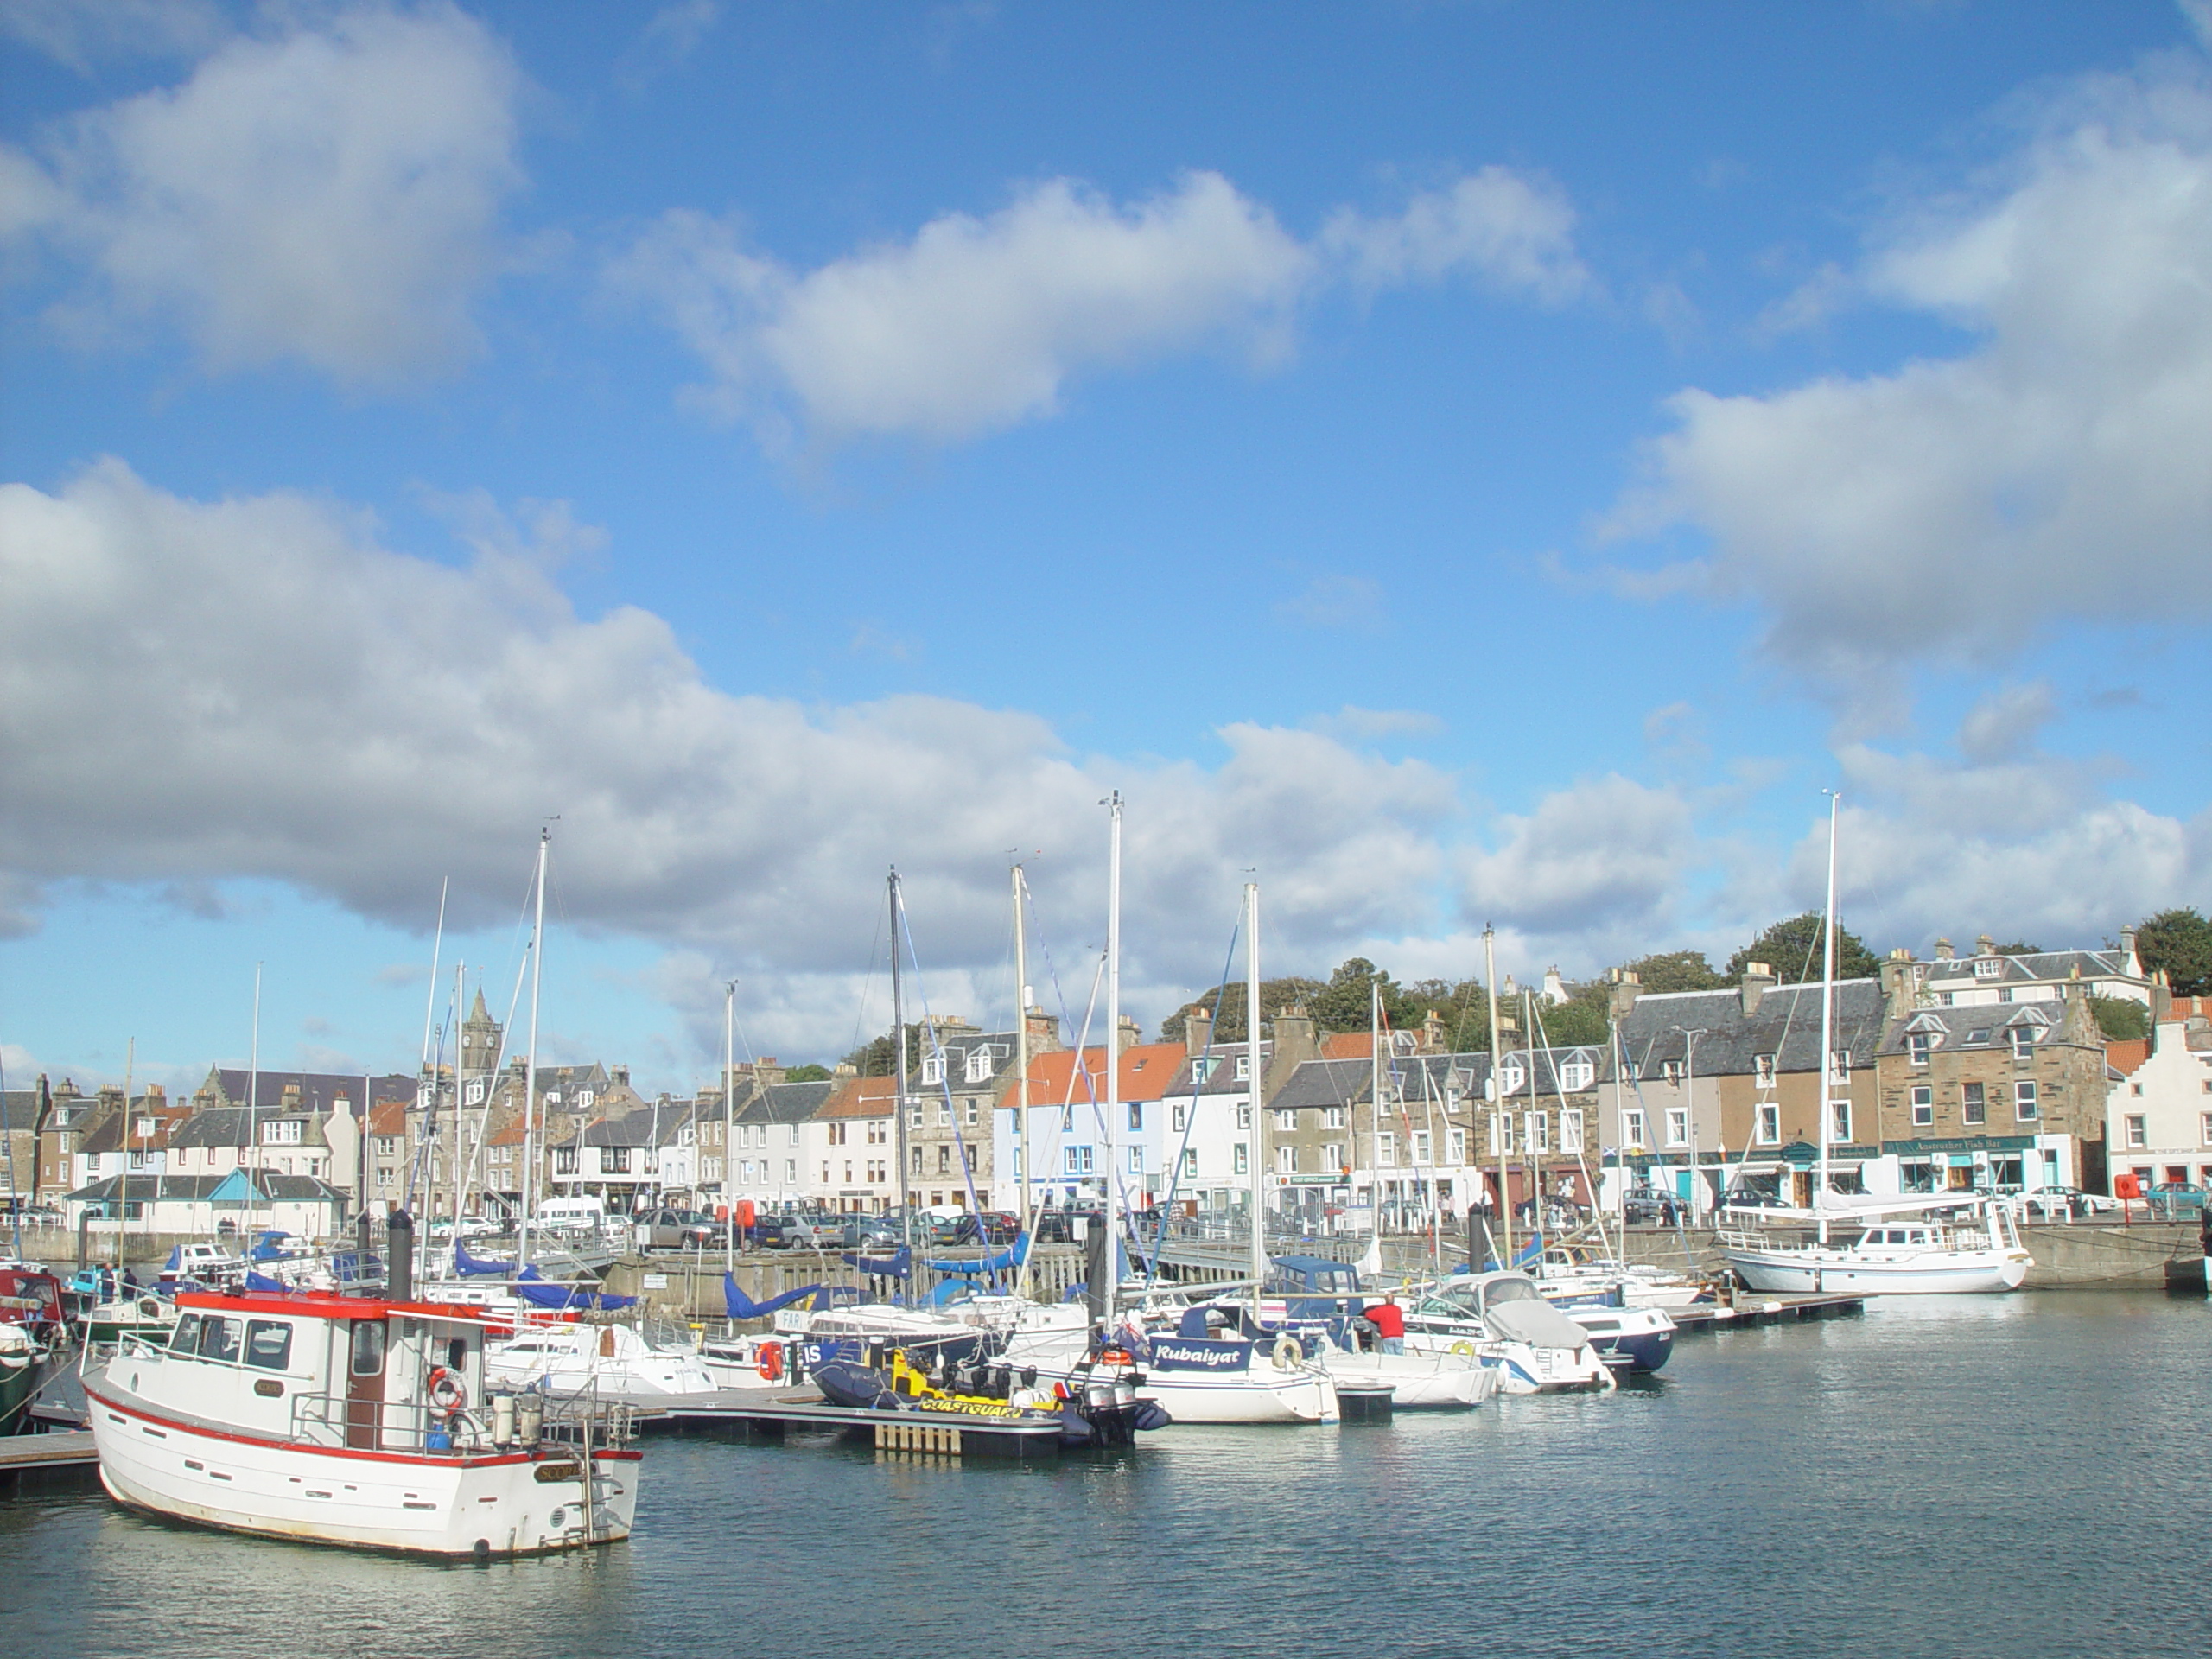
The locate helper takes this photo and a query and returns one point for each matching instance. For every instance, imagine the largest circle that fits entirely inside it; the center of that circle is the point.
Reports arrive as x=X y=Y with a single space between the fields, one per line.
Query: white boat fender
x=1288 y=1356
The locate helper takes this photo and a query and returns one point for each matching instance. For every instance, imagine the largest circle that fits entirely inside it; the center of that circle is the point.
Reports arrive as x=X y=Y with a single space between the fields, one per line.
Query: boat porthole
x=556 y=1518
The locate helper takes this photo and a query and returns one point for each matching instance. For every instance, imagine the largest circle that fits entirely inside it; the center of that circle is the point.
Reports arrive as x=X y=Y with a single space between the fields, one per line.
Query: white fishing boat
x=1977 y=1249
x=1501 y=1319
x=353 y=1421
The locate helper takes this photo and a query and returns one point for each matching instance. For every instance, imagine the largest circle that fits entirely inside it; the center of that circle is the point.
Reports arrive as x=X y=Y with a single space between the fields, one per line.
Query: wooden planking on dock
x=46 y=1454
x=1751 y=1308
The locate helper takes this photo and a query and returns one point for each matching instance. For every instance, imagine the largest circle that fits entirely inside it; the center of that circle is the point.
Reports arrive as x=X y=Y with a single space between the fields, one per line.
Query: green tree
x=877 y=1058
x=1675 y=970
x=1792 y=949
x=2121 y=1018
x=1465 y=1008
x=1276 y=995
x=1583 y=1018
x=812 y=1073
x=2019 y=947
x=2179 y=941
x=1344 y=1003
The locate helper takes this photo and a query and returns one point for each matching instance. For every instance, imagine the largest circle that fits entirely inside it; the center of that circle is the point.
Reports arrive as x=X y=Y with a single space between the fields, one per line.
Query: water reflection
x=2003 y=1475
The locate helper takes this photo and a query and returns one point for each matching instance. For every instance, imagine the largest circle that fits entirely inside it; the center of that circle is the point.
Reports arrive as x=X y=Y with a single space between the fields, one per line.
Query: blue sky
x=1482 y=463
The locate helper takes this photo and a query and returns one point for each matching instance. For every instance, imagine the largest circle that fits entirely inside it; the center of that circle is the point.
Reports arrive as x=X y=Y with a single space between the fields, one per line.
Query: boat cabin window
x=219 y=1338
x=184 y=1340
x=368 y=1347
x=1512 y=1290
x=268 y=1344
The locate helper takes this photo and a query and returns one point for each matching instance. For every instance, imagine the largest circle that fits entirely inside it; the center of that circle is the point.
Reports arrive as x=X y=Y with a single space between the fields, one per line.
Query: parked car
x=676 y=1229
x=1649 y=1204
x=2176 y=1200
x=2067 y=1204
x=992 y=1227
x=865 y=1233
x=1057 y=1226
x=1754 y=1197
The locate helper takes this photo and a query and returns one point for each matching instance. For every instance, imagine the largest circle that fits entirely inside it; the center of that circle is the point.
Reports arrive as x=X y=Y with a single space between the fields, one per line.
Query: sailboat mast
x=1827 y=1026
x=898 y=1063
x=1374 y=1110
x=529 y=1065
x=458 y=1159
x=1112 y=1175
x=253 y=1110
x=123 y=1191
x=1252 y=1087
x=1502 y=1120
x=1022 y=1054
x=729 y=1121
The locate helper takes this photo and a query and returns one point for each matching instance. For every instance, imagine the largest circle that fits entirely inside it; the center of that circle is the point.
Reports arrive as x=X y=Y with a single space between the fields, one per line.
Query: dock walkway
x=755 y=1412
x=47 y=1459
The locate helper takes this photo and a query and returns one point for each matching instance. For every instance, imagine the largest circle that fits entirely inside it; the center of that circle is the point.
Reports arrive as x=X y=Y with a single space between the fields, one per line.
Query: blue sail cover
x=1013 y=1256
x=534 y=1288
x=472 y=1267
x=742 y=1306
x=898 y=1265
x=263 y=1281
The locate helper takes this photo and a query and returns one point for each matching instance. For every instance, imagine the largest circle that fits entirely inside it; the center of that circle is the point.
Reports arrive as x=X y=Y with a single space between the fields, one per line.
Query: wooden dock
x=48 y=1460
x=1749 y=1308
x=755 y=1413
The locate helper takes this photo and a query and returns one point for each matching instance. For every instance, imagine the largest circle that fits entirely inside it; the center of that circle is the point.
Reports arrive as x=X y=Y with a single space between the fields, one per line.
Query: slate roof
x=198 y=1189
x=318 y=1091
x=233 y=1126
x=795 y=1102
x=997 y=1048
x=1989 y=1025
x=1787 y=1025
x=1958 y=973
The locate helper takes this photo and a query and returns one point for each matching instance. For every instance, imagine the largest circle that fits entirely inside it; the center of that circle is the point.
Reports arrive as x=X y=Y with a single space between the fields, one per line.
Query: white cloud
x=1510 y=231
x=1603 y=858
x=79 y=33
x=672 y=36
x=311 y=709
x=979 y=323
x=327 y=195
x=2055 y=470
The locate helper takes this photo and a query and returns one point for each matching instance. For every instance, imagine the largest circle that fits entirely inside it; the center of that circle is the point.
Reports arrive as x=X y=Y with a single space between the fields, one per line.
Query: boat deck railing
x=335 y=1421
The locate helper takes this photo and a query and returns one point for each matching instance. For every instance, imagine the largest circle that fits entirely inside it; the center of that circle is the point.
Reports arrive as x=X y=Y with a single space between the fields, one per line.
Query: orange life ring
x=2129 y=1186
x=444 y=1389
x=769 y=1357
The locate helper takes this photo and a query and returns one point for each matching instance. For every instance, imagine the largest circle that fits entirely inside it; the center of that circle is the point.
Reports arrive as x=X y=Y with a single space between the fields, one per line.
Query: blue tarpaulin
x=1013 y=1256
x=898 y=1265
x=742 y=1306
x=471 y=1267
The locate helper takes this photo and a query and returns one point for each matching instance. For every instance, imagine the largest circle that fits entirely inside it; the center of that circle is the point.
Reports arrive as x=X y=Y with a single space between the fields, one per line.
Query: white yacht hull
x=1418 y=1382
x=1818 y=1272
x=422 y=1504
x=1299 y=1396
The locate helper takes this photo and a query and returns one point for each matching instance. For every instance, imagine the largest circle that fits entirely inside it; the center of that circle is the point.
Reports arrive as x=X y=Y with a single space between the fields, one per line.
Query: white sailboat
x=1946 y=1244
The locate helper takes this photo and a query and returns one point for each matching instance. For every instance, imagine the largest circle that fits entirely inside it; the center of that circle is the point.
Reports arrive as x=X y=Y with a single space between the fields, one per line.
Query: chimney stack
x=1627 y=985
x=1197 y=1029
x=2127 y=950
x=1984 y=946
x=1759 y=980
x=1942 y=950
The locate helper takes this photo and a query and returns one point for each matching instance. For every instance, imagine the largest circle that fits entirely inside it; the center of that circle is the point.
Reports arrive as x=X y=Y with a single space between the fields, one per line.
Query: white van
x=583 y=1215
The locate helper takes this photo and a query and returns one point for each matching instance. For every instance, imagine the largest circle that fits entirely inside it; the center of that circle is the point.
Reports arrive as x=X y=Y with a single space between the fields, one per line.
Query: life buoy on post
x=768 y=1359
x=1287 y=1354
x=1464 y=1349
x=2128 y=1186
x=445 y=1390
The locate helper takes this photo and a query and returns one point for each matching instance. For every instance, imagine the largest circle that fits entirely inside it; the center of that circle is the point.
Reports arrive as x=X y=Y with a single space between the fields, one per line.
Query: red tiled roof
x=1146 y=1070
x=2126 y=1054
x=1347 y=1045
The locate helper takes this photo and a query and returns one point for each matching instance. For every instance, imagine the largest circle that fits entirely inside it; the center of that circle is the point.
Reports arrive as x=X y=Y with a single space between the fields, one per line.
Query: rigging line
x=1559 y=1092
x=1190 y=1116
x=867 y=987
x=906 y=932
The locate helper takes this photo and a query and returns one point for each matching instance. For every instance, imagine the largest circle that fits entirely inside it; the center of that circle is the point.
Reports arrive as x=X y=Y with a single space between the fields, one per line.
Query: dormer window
x=1510 y=1076
x=1578 y=1073
x=2022 y=1037
x=1762 y=1070
x=587 y=1098
x=979 y=1065
x=1243 y=1068
x=932 y=1070
x=1917 y=1044
x=1674 y=1073
x=1989 y=968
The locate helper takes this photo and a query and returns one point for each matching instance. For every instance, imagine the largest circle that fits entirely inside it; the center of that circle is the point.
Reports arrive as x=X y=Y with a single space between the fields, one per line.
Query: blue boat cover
x=898 y=1265
x=262 y=1281
x=742 y=1306
x=532 y=1287
x=1013 y=1256
x=472 y=1267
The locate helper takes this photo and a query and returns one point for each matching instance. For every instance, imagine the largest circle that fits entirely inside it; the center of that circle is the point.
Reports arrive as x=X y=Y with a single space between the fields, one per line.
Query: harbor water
x=2015 y=1476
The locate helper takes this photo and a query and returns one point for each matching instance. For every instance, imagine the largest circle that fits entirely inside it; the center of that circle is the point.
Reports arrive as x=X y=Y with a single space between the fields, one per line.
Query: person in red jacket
x=1389 y=1322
